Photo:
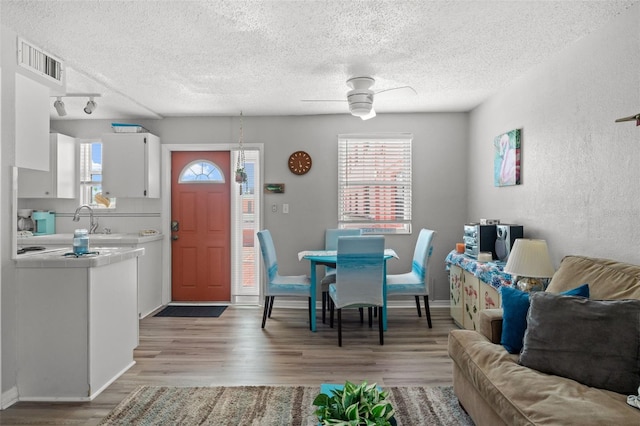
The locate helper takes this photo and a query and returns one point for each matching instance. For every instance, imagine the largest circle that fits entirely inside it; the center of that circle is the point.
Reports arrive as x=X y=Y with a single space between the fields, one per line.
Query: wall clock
x=299 y=162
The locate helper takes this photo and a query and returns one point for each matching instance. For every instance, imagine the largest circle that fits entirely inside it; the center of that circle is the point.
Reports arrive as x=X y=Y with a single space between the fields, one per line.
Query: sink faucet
x=93 y=225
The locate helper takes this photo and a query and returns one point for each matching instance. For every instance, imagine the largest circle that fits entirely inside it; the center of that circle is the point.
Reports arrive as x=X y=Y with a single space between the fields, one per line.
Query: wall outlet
x=274 y=208
x=285 y=208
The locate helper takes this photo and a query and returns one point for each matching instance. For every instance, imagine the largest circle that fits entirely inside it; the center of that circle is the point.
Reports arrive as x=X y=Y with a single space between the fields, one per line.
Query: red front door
x=201 y=235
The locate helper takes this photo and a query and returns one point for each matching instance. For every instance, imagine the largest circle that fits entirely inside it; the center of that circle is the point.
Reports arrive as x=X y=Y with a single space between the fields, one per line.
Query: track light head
x=59 y=106
x=91 y=106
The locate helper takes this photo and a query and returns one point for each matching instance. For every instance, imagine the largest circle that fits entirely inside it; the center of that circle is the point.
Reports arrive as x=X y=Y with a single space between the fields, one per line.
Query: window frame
x=85 y=180
x=367 y=197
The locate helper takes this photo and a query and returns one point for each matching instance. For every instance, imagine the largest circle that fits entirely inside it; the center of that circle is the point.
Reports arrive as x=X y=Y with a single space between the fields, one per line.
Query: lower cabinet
x=468 y=296
x=149 y=278
x=455 y=288
x=470 y=289
x=78 y=328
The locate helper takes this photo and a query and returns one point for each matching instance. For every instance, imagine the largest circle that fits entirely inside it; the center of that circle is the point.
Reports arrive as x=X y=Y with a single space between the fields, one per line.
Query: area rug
x=191 y=311
x=271 y=405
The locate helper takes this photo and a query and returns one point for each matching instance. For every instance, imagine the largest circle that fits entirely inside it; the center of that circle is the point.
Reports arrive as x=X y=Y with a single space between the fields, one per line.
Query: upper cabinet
x=60 y=180
x=32 y=124
x=131 y=165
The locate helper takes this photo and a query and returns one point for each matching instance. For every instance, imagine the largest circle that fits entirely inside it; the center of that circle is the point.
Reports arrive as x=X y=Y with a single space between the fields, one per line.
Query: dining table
x=330 y=258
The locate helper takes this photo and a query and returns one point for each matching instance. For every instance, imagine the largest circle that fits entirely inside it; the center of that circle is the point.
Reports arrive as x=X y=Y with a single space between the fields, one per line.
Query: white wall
x=439 y=196
x=580 y=171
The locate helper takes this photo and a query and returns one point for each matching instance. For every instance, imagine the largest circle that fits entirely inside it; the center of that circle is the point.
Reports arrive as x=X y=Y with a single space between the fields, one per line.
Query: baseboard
x=9 y=398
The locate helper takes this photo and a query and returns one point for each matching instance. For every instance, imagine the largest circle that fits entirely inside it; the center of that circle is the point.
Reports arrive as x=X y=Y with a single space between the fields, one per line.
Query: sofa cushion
x=524 y=396
x=515 y=304
x=595 y=342
x=608 y=279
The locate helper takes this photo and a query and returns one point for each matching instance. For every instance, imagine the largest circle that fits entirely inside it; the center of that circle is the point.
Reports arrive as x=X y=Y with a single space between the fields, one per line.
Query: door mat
x=191 y=311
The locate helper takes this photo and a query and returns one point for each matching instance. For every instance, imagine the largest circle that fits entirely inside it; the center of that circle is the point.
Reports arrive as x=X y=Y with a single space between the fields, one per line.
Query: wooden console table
x=473 y=287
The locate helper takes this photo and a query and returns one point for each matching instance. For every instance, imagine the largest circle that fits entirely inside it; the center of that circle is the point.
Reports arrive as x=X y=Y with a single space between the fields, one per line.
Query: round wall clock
x=299 y=162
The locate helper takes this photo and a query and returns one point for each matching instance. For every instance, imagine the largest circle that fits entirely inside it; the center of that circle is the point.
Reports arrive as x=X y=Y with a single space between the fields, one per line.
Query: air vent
x=39 y=62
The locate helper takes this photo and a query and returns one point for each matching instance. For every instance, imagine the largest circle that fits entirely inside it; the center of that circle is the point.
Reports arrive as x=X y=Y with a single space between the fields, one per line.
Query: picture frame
x=506 y=160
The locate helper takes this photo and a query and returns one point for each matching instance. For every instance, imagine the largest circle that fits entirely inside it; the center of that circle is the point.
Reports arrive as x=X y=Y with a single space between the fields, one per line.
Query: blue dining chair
x=359 y=278
x=415 y=283
x=279 y=285
x=331 y=243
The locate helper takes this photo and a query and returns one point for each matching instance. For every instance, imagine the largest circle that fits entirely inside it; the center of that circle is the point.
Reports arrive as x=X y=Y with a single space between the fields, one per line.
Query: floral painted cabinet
x=455 y=289
x=471 y=290
x=473 y=287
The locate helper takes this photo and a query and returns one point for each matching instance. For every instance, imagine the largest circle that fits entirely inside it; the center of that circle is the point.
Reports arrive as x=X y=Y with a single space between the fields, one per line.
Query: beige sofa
x=496 y=390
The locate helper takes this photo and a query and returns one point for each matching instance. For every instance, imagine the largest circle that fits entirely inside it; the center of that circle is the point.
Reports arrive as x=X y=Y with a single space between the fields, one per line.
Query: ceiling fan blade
x=323 y=100
x=371 y=114
x=407 y=90
x=630 y=118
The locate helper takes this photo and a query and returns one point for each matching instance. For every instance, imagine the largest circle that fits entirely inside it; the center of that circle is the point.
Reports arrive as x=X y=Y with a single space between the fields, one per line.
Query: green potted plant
x=355 y=405
x=241 y=175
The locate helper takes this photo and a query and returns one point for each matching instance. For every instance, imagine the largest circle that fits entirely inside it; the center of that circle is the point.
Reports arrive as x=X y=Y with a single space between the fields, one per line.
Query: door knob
x=174 y=237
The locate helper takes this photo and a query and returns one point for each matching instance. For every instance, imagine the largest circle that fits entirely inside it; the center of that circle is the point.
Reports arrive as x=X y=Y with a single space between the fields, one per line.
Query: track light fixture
x=59 y=106
x=89 y=108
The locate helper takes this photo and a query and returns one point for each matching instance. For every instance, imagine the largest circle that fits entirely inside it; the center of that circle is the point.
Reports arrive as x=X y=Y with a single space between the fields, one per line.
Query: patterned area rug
x=271 y=405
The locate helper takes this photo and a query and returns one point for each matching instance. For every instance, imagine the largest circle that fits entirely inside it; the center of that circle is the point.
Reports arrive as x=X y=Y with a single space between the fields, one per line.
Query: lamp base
x=530 y=284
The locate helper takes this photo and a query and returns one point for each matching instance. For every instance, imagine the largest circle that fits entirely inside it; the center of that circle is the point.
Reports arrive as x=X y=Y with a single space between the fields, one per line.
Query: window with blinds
x=374 y=183
x=91 y=177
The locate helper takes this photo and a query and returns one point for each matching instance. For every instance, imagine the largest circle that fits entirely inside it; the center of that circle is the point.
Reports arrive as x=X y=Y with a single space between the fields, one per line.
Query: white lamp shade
x=530 y=258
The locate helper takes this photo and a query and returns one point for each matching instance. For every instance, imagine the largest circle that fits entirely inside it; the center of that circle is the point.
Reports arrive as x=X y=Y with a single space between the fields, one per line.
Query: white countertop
x=56 y=258
x=64 y=239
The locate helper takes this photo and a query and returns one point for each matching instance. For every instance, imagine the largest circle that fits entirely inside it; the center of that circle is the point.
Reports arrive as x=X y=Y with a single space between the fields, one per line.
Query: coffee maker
x=45 y=222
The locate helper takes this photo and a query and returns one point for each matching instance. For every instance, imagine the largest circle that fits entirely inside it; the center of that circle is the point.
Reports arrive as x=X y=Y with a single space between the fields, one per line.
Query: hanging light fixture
x=241 y=173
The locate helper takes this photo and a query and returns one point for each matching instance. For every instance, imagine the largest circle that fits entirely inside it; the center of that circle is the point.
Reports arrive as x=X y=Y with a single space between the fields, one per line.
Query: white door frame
x=165 y=216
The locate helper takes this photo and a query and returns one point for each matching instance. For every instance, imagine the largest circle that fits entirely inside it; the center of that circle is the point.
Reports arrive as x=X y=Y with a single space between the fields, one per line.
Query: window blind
x=374 y=183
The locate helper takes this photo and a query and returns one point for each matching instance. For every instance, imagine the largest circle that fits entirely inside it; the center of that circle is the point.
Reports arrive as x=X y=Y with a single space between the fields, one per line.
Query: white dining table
x=330 y=258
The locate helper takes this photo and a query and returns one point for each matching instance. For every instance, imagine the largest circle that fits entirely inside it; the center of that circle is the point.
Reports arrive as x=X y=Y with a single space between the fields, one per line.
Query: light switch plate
x=285 y=208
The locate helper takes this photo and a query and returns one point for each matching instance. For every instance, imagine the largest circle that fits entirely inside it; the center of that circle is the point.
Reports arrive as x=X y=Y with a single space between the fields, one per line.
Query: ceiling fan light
x=371 y=114
x=360 y=109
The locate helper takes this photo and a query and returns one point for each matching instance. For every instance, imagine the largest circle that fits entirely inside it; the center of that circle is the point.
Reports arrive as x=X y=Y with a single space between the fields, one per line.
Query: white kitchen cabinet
x=32 y=104
x=149 y=265
x=131 y=165
x=78 y=325
x=60 y=181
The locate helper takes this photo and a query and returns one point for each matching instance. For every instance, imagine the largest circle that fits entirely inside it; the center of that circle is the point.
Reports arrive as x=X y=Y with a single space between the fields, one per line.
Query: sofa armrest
x=490 y=322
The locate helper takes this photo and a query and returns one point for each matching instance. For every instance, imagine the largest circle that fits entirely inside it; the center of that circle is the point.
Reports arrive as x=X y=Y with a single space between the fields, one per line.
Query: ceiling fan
x=630 y=118
x=360 y=97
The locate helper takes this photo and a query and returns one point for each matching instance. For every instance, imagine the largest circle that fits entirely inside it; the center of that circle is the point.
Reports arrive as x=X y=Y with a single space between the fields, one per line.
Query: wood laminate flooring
x=233 y=350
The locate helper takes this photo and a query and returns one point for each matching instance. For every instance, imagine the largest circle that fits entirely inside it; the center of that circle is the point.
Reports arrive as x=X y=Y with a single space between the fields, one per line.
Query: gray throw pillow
x=594 y=342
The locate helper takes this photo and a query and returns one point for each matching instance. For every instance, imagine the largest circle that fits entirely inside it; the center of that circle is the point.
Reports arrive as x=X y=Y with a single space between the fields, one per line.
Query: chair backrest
x=268 y=254
x=360 y=270
x=422 y=252
x=331 y=237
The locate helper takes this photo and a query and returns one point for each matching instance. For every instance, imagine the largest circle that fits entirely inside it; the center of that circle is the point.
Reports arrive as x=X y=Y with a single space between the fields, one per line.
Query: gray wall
x=580 y=171
x=439 y=175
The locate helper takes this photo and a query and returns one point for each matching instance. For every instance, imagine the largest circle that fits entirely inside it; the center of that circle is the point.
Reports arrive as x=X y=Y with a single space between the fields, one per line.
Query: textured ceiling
x=187 y=58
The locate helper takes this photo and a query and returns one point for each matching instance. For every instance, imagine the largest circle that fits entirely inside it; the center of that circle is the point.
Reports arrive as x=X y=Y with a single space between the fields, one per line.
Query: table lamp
x=529 y=260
